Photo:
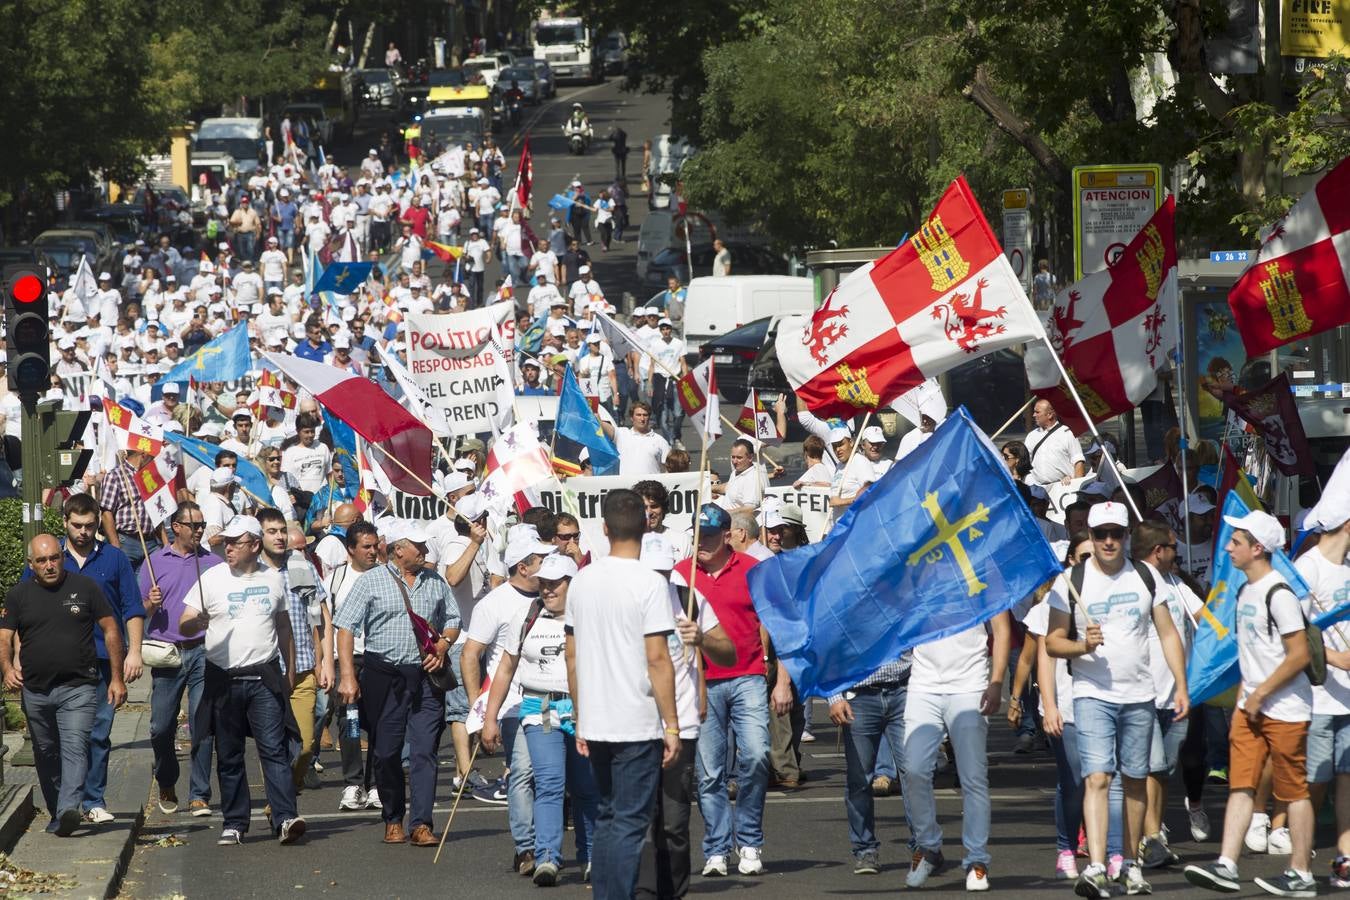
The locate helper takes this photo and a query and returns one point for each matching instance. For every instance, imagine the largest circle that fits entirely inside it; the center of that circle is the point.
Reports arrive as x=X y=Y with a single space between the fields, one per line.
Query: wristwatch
x=674 y=731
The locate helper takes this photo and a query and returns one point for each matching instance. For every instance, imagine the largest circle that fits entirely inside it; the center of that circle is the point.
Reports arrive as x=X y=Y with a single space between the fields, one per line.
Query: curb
x=16 y=812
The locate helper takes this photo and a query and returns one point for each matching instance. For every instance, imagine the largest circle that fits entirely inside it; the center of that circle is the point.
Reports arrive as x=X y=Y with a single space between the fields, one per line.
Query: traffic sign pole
x=30 y=488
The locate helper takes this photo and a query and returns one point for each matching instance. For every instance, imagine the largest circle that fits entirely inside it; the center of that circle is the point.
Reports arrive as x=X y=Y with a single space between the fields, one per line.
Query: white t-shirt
x=685 y=660
x=496 y=625
x=1261 y=648
x=242 y=630
x=744 y=489
x=819 y=473
x=338 y=583
x=474 y=585
x=1329 y=586
x=640 y=454
x=612 y=605
x=1055 y=458
x=956 y=664
x=541 y=664
x=1182 y=605
x=1037 y=622
x=331 y=551
x=308 y=465
x=1118 y=670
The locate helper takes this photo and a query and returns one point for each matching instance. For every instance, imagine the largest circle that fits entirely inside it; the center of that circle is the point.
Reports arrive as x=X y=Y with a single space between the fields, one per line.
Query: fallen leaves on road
x=15 y=878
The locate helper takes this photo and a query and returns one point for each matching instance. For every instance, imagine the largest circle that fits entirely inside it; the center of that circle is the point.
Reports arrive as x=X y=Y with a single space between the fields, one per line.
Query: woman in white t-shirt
x=1056 y=708
x=535 y=659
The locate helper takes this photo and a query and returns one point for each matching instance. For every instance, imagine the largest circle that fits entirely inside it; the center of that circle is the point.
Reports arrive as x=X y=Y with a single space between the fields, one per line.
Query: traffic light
x=27 y=329
x=63 y=462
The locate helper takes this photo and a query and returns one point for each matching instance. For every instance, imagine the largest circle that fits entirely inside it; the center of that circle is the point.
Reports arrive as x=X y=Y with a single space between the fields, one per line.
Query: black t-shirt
x=56 y=626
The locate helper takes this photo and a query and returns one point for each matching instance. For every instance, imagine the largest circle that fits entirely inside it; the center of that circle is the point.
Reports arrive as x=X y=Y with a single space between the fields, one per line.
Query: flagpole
x=415 y=477
x=1015 y=416
x=853 y=453
x=1092 y=426
x=145 y=550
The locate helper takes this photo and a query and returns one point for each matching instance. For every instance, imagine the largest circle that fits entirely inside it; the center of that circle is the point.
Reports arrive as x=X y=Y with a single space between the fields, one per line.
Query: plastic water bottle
x=351 y=724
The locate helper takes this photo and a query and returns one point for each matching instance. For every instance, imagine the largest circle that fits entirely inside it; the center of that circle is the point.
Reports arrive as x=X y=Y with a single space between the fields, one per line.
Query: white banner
x=583 y=497
x=814 y=502
x=457 y=362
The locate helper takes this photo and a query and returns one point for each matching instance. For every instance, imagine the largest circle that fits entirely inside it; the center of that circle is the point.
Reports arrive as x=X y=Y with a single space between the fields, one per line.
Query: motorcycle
x=578 y=138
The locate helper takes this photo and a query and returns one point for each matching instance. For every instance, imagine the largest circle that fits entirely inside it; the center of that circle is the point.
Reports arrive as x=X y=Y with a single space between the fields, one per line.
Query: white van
x=717 y=304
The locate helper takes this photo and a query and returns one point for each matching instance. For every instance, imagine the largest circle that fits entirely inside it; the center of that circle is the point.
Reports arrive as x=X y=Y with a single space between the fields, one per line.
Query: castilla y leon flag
x=130 y=431
x=757 y=422
x=155 y=486
x=945 y=296
x=1113 y=329
x=1271 y=411
x=525 y=174
x=697 y=393
x=1298 y=285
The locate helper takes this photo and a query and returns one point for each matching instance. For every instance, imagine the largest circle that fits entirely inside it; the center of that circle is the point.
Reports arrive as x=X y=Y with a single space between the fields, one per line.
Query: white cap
x=105 y=276
x=640 y=311
x=240 y=526
x=172 y=387
x=584 y=270
x=223 y=476
x=557 y=566
x=405 y=530
x=594 y=337
x=466 y=465
x=209 y=430
x=1108 y=514
x=471 y=507
x=342 y=342
x=1200 y=504
x=452 y=481
x=1267 y=530
x=66 y=343
x=837 y=434
x=558 y=328
x=874 y=435
x=523 y=541
x=658 y=553
x=786 y=514
x=665 y=321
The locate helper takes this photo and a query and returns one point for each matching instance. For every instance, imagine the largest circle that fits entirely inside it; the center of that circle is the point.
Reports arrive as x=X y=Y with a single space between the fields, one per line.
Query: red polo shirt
x=729 y=594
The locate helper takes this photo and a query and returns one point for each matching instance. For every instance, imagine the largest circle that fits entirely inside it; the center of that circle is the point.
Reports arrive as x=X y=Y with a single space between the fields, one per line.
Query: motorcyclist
x=579 y=120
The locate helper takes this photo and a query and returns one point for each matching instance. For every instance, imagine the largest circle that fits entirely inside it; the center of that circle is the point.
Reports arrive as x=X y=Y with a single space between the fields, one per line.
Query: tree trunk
x=365 y=46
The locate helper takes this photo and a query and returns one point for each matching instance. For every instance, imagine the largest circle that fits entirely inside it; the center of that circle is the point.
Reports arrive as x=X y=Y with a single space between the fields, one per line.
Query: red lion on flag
x=824 y=331
x=965 y=322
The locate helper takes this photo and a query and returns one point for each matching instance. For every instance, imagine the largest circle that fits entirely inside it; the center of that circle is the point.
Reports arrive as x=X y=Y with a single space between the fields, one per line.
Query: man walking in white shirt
x=1056 y=456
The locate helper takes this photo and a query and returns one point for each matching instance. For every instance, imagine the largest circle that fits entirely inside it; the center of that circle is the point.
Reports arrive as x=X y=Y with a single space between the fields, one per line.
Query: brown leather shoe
x=422 y=837
x=394 y=834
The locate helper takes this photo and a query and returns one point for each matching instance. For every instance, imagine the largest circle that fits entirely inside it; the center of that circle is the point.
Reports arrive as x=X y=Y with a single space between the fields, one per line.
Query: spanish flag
x=444 y=252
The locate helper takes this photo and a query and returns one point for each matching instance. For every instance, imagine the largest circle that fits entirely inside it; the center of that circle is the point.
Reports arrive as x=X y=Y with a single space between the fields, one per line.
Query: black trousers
x=665 y=858
x=398 y=702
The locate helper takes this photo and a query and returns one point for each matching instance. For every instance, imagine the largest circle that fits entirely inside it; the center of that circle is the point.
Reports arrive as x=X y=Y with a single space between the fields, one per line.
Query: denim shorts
x=1114 y=737
x=1328 y=747
x=1168 y=737
x=456 y=701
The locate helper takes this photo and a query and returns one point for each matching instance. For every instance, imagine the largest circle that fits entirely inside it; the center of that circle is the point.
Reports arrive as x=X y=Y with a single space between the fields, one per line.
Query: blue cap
x=713 y=517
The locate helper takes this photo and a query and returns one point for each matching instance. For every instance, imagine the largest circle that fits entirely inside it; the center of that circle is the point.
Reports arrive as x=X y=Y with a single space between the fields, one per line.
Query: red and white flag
x=373 y=414
x=525 y=174
x=155 y=486
x=697 y=393
x=1114 y=329
x=128 y=431
x=758 y=422
x=947 y=295
x=1298 y=285
x=516 y=464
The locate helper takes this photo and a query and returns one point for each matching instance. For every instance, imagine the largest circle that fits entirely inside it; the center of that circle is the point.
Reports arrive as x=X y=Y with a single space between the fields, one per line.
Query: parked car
x=107 y=239
x=27 y=255
x=746 y=259
x=126 y=221
x=733 y=354
x=375 y=89
x=544 y=72
x=66 y=247
x=526 y=78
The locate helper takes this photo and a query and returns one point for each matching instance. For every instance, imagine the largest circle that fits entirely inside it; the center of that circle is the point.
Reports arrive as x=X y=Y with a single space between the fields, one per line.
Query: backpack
x=1076 y=576
x=1316 y=669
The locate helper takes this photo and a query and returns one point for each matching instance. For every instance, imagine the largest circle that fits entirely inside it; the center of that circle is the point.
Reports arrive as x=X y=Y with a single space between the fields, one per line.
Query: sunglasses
x=1168 y=546
x=193 y=525
x=568 y=535
x=1113 y=534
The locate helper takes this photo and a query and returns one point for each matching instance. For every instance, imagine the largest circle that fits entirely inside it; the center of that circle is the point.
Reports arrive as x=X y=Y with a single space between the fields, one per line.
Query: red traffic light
x=27 y=289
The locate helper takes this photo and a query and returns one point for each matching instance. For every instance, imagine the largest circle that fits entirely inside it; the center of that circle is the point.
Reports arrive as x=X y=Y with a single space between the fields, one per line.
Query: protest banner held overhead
x=463 y=363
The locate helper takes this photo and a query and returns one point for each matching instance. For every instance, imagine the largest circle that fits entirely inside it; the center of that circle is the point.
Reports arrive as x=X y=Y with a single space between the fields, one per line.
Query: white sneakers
x=373 y=799
x=977 y=877
x=353 y=797
x=1258 y=833
x=748 y=863
x=1278 y=843
x=97 y=815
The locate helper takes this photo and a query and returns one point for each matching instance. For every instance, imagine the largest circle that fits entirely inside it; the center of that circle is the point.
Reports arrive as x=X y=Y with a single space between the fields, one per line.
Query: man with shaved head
x=53 y=615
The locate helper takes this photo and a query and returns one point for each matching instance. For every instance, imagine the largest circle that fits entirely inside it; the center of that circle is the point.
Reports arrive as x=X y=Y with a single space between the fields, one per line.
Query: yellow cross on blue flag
x=222 y=359
x=941 y=543
x=343 y=277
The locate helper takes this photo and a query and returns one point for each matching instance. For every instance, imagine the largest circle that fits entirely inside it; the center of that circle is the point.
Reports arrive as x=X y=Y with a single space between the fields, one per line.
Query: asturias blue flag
x=941 y=543
x=343 y=277
x=560 y=203
x=251 y=477
x=223 y=359
x=1213 y=666
x=344 y=446
x=577 y=422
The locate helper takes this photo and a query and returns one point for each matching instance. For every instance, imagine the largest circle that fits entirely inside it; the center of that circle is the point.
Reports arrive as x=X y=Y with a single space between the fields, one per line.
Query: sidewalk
x=92 y=862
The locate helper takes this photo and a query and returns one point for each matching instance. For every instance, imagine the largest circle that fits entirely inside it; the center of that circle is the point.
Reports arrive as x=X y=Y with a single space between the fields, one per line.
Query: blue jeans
x=1328 y=747
x=515 y=266
x=131 y=546
x=166 y=695
x=249 y=707
x=1165 y=749
x=1114 y=737
x=519 y=785
x=1027 y=727
x=1068 y=788
x=876 y=714
x=735 y=706
x=100 y=742
x=927 y=717
x=559 y=769
x=245 y=242
x=627 y=776
x=59 y=720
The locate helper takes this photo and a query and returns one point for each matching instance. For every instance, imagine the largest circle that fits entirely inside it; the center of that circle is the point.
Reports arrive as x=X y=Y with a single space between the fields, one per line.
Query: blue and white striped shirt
x=374 y=611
